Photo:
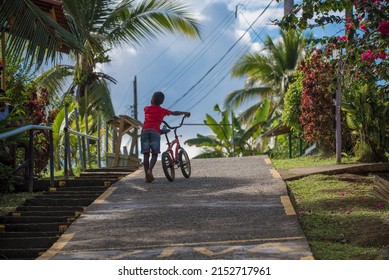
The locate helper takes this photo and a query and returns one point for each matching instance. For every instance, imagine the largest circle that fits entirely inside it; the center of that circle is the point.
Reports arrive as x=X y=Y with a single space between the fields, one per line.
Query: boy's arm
x=178 y=113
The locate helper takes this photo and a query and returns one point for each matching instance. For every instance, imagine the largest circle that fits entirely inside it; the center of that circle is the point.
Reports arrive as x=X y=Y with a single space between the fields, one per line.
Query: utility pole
x=136 y=115
x=135 y=100
x=288 y=7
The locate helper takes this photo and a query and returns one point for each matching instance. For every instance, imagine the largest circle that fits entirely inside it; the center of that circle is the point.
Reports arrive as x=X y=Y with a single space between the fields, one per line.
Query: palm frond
x=99 y=100
x=55 y=79
x=238 y=97
x=31 y=33
x=201 y=140
x=129 y=24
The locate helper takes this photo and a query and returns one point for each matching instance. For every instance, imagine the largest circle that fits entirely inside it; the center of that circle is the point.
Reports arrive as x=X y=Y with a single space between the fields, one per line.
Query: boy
x=151 y=132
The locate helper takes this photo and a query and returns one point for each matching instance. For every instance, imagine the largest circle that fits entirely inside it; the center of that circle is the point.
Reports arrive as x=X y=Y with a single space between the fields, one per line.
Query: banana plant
x=229 y=137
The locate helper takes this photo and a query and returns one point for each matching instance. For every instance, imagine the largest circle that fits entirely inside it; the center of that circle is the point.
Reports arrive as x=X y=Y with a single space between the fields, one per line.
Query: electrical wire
x=221 y=59
x=229 y=62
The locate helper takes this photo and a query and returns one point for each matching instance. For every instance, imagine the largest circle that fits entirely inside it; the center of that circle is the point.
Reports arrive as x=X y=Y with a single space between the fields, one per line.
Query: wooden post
x=118 y=143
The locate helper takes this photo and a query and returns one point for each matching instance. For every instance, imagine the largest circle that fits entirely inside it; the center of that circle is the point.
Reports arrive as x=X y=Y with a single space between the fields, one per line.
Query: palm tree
x=268 y=73
x=32 y=34
x=101 y=25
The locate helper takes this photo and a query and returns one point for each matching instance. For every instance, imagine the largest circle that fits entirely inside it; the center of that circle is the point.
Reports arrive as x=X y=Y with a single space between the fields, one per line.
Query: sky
x=194 y=74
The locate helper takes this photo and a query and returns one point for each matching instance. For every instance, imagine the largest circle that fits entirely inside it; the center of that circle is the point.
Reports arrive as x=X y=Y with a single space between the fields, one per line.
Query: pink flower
x=343 y=39
x=382 y=55
x=368 y=56
x=384 y=28
x=362 y=26
x=380 y=205
x=341 y=193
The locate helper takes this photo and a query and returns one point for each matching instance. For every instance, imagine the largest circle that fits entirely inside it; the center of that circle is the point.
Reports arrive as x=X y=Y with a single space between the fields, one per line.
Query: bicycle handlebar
x=175 y=127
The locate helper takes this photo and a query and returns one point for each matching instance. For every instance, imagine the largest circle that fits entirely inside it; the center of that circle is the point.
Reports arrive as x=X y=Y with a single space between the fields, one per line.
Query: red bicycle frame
x=174 y=145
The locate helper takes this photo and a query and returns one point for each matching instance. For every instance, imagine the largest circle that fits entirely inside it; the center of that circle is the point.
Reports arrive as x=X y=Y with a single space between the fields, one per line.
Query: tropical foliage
x=292 y=102
x=101 y=26
x=317 y=117
x=364 y=65
x=32 y=34
x=93 y=29
x=268 y=73
x=230 y=138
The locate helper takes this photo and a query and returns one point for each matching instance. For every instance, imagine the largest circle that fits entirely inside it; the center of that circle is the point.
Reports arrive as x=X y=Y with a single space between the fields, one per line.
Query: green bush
x=7 y=179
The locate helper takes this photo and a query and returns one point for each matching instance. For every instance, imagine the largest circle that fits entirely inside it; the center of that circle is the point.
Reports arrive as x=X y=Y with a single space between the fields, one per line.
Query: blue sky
x=178 y=66
x=193 y=74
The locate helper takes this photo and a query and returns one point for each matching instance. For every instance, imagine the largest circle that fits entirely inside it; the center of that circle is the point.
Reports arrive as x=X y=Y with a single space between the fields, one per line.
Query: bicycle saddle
x=165 y=130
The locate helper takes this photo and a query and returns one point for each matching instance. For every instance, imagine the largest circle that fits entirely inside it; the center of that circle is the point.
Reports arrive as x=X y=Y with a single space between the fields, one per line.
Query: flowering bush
x=364 y=52
x=317 y=102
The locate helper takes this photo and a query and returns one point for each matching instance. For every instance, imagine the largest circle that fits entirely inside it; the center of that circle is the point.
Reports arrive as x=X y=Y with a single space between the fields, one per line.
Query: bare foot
x=150 y=176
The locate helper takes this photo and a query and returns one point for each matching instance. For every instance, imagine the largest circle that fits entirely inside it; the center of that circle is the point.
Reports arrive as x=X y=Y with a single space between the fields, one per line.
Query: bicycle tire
x=184 y=163
x=167 y=166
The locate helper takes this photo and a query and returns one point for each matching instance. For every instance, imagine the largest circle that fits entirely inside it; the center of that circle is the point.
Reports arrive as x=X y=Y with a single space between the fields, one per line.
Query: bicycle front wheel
x=184 y=163
x=168 y=166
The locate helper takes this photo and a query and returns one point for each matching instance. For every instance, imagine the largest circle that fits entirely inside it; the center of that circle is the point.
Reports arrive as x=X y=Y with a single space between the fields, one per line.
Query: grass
x=9 y=202
x=340 y=217
x=310 y=161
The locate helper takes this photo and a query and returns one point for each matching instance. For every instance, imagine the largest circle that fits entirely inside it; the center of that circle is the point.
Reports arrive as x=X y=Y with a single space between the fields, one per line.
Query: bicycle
x=175 y=156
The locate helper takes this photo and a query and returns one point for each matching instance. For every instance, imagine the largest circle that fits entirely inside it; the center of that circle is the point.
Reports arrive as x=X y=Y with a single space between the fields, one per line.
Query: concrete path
x=230 y=208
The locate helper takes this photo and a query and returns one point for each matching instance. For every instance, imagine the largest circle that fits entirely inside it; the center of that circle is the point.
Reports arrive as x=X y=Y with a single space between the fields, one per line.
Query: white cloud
x=176 y=64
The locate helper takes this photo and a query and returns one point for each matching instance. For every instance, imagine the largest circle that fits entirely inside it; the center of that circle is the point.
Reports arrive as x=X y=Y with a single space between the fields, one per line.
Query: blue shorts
x=150 y=142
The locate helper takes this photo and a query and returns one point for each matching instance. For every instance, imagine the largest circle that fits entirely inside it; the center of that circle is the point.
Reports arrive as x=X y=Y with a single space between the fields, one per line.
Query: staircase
x=33 y=228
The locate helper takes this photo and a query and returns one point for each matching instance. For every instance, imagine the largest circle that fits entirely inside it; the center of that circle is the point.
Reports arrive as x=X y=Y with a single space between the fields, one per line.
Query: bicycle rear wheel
x=168 y=166
x=184 y=163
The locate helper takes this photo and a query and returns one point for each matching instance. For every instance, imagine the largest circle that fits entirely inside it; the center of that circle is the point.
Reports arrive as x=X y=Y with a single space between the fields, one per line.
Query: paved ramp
x=230 y=208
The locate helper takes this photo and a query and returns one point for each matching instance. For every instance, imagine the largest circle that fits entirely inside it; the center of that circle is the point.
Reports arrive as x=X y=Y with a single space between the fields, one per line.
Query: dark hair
x=158 y=98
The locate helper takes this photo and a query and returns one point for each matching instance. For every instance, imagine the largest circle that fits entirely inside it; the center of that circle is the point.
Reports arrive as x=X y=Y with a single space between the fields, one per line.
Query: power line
x=193 y=57
x=221 y=59
x=245 y=48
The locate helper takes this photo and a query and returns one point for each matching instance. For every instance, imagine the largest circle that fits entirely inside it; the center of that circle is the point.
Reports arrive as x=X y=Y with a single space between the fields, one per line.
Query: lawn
x=339 y=215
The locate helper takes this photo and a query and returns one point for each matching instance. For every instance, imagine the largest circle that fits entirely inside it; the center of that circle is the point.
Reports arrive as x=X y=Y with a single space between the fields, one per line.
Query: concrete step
x=21 y=254
x=96 y=176
x=27 y=208
x=36 y=227
x=45 y=213
x=112 y=169
x=36 y=219
x=80 y=202
x=67 y=195
x=74 y=182
x=28 y=234
x=27 y=242
x=82 y=189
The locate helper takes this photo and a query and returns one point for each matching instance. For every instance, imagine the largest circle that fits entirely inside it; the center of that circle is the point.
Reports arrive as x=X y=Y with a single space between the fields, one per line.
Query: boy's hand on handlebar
x=187 y=114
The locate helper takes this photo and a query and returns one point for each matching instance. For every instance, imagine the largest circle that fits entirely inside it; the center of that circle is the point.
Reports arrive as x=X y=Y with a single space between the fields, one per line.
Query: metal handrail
x=30 y=165
x=87 y=136
x=18 y=130
x=83 y=134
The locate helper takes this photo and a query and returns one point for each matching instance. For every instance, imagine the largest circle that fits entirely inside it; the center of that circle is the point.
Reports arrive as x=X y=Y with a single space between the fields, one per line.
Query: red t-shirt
x=154 y=115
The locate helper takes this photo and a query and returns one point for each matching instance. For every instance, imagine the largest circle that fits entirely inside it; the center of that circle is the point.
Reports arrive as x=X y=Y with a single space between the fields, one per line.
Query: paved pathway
x=230 y=208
